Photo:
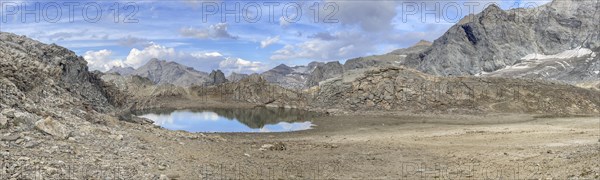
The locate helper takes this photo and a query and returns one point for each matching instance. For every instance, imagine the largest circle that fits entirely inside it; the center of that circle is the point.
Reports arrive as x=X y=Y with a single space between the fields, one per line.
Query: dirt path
x=377 y=147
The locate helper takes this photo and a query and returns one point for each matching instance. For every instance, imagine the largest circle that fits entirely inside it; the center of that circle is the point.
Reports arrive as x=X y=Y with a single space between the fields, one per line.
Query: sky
x=235 y=36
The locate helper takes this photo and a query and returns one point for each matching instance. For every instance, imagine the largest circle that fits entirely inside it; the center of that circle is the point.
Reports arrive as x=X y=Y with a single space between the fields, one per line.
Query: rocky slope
x=579 y=66
x=394 y=58
x=235 y=77
x=323 y=72
x=39 y=81
x=55 y=116
x=252 y=90
x=401 y=89
x=138 y=92
x=163 y=72
x=496 y=39
x=289 y=77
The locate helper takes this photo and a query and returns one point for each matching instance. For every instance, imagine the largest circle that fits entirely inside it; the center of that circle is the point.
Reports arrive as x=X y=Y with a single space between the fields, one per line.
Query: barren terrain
x=499 y=146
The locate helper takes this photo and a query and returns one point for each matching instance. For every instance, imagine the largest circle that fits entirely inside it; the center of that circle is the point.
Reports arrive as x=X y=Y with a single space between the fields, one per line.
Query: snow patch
x=561 y=64
x=577 y=52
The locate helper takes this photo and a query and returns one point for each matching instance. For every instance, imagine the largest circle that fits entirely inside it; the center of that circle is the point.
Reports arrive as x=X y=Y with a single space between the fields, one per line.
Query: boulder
x=52 y=127
x=3 y=121
x=273 y=147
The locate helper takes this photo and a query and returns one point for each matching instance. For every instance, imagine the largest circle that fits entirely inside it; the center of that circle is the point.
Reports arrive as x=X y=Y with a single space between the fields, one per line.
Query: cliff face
x=323 y=72
x=217 y=77
x=289 y=77
x=495 y=39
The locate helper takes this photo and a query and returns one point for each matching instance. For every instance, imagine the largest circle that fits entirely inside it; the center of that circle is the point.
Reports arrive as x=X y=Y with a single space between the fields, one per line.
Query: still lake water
x=232 y=120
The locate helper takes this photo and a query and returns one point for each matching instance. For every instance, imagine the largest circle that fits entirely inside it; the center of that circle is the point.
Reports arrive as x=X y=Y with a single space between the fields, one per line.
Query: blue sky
x=202 y=35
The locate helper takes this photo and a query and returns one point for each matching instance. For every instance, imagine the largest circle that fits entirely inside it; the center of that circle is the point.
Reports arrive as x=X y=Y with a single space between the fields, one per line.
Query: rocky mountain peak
x=156 y=60
x=495 y=39
x=492 y=8
x=423 y=43
x=282 y=68
x=314 y=64
x=217 y=77
x=164 y=72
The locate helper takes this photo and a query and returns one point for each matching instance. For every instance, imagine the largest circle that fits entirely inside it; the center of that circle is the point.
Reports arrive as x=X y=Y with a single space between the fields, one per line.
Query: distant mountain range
x=557 y=41
x=164 y=72
x=121 y=70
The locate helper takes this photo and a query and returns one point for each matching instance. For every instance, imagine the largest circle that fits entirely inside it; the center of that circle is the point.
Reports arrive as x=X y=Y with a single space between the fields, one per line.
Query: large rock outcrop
x=323 y=72
x=252 y=90
x=495 y=39
x=216 y=77
x=235 y=77
x=403 y=89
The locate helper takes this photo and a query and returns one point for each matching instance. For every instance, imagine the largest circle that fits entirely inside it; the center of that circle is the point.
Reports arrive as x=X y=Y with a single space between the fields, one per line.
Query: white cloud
x=210 y=54
x=101 y=60
x=239 y=65
x=347 y=45
x=270 y=40
x=217 y=31
x=372 y=16
x=203 y=61
x=283 y=22
x=137 y=57
x=131 y=41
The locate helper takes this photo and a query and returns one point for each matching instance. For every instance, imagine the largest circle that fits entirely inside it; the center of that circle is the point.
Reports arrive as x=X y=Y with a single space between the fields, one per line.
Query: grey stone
x=52 y=127
x=163 y=177
x=3 y=121
x=13 y=137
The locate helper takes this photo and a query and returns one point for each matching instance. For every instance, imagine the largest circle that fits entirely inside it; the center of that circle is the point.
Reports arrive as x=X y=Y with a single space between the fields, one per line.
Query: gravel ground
x=500 y=146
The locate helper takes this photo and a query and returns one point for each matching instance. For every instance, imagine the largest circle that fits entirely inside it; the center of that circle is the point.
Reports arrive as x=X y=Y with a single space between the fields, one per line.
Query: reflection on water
x=232 y=120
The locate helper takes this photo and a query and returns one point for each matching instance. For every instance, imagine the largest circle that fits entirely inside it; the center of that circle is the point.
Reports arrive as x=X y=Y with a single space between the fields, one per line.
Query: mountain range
x=558 y=41
x=169 y=72
x=296 y=77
